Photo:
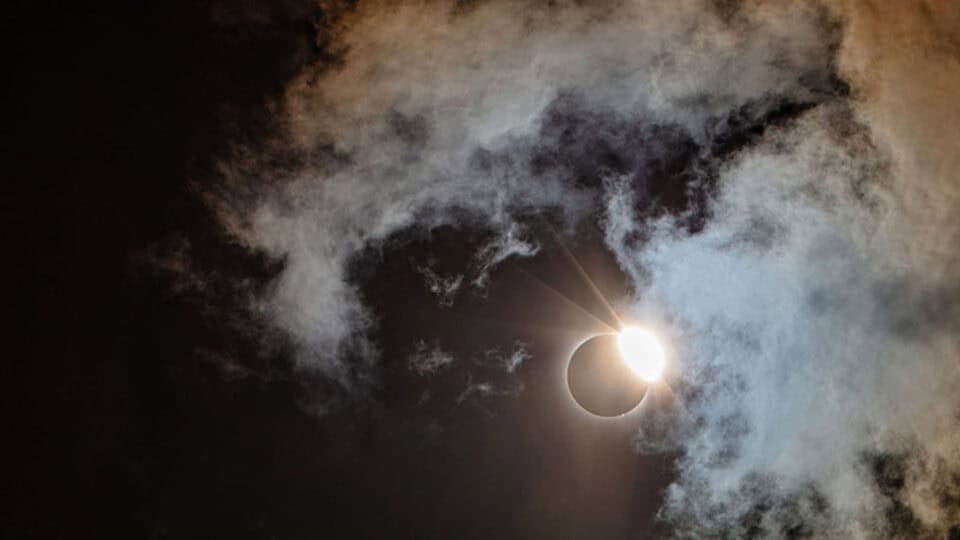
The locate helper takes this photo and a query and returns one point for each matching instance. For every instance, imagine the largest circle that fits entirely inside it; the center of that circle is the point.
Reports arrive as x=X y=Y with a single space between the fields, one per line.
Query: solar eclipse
x=609 y=374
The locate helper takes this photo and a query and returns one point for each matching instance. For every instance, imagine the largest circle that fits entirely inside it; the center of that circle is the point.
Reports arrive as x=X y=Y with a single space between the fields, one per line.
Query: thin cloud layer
x=777 y=179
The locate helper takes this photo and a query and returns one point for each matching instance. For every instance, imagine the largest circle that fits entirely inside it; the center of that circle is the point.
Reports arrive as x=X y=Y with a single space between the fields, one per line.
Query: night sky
x=317 y=269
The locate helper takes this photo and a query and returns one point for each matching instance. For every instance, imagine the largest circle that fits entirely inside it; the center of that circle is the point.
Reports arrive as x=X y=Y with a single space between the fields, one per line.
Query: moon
x=609 y=374
x=600 y=381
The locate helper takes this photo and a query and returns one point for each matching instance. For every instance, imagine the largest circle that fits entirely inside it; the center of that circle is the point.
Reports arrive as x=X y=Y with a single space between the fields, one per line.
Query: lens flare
x=642 y=351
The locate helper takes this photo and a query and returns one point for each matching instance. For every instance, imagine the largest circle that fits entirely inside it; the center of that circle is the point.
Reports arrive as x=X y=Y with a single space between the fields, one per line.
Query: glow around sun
x=642 y=351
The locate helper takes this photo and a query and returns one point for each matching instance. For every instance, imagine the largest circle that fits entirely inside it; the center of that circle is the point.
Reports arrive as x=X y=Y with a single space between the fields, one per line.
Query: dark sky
x=121 y=429
x=226 y=217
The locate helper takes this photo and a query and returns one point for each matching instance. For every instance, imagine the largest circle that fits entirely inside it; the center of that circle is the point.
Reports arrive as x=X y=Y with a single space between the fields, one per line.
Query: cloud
x=777 y=179
x=817 y=311
x=809 y=349
x=424 y=361
x=444 y=287
x=421 y=123
x=515 y=359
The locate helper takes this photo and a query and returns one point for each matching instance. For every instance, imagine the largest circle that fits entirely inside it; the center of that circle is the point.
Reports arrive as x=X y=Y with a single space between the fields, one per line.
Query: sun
x=642 y=351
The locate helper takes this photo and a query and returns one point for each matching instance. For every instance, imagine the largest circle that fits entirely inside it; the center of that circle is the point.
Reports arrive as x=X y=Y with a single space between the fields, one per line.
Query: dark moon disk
x=600 y=381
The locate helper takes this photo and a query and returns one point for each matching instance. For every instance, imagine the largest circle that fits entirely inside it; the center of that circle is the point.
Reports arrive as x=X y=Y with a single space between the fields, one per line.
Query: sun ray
x=567 y=300
x=585 y=276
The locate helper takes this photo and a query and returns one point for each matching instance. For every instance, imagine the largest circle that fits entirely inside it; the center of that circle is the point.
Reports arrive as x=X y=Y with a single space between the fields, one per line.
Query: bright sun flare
x=642 y=352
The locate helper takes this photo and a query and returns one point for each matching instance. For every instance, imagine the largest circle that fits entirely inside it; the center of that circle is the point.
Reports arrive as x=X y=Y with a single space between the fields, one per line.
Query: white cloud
x=427 y=361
